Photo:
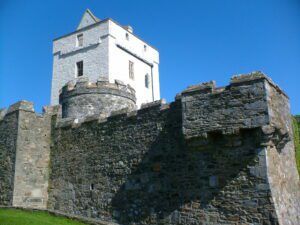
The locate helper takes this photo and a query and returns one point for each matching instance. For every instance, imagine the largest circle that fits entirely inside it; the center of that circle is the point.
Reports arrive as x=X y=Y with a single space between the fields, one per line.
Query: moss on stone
x=296 y=127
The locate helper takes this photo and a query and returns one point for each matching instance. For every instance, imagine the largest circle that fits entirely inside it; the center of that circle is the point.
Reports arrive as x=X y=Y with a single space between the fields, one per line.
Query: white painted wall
x=119 y=63
x=106 y=59
x=66 y=54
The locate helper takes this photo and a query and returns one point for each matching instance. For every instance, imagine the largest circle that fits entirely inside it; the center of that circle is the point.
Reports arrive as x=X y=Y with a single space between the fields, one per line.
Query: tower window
x=145 y=48
x=147 y=81
x=79 y=41
x=127 y=36
x=131 y=70
x=79 y=68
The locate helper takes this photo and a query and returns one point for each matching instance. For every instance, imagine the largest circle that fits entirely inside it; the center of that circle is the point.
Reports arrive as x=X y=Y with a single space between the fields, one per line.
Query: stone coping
x=84 y=83
x=124 y=113
x=82 y=86
x=210 y=87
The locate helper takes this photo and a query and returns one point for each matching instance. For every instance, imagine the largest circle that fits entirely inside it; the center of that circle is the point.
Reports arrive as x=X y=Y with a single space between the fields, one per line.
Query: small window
x=145 y=48
x=79 y=41
x=131 y=70
x=147 y=81
x=79 y=68
x=92 y=187
x=127 y=36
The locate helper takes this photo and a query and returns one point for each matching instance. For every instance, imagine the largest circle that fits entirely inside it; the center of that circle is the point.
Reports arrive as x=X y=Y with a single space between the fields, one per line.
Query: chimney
x=129 y=28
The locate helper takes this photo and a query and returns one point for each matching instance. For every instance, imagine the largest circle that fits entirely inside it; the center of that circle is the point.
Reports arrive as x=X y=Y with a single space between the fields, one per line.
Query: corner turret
x=84 y=99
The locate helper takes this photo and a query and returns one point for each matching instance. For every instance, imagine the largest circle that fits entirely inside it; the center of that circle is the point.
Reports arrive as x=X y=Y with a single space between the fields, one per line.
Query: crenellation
x=256 y=75
x=180 y=159
x=121 y=112
x=21 y=105
x=114 y=151
x=52 y=110
x=3 y=112
x=102 y=97
x=64 y=122
x=242 y=104
x=159 y=103
x=207 y=87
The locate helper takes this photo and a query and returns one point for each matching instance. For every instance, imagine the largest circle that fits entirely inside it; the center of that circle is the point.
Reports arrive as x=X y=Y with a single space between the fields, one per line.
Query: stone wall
x=208 y=158
x=296 y=126
x=32 y=159
x=282 y=169
x=86 y=99
x=8 y=145
x=241 y=105
x=25 y=151
x=213 y=156
x=93 y=53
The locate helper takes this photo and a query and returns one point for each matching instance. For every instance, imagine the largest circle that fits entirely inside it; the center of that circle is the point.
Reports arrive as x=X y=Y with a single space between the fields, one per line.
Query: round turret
x=84 y=99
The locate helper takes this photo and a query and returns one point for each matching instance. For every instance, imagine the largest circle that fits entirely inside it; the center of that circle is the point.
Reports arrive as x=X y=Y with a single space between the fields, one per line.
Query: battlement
x=210 y=87
x=118 y=115
x=102 y=86
x=81 y=98
x=27 y=106
x=243 y=104
x=99 y=147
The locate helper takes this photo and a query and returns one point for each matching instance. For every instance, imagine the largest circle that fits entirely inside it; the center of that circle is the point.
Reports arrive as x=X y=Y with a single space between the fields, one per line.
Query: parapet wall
x=240 y=105
x=213 y=156
x=206 y=158
x=84 y=98
x=8 y=146
x=24 y=158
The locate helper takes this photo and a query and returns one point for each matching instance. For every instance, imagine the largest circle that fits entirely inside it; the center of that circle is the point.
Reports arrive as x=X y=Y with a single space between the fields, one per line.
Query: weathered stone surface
x=147 y=175
x=86 y=99
x=32 y=160
x=8 y=145
x=24 y=156
x=214 y=156
x=241 y=105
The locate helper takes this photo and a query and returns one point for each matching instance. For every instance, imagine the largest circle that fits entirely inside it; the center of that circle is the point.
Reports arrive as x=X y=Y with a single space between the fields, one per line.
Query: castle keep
x=216 y=155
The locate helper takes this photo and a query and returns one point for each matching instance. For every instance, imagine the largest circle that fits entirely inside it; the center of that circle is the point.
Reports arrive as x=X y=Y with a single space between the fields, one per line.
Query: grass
x=296 y=128
x=20 y=217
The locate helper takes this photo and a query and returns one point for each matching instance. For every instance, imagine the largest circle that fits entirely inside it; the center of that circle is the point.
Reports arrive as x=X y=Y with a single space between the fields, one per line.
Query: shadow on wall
x=202 y=180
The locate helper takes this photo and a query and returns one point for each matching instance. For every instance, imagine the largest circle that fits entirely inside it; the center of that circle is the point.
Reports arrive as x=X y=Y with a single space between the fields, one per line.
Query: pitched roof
x=87 y=19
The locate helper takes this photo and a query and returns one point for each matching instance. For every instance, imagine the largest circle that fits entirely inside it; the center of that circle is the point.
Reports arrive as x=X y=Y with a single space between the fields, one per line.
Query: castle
x=103 y=50
x=113 y=151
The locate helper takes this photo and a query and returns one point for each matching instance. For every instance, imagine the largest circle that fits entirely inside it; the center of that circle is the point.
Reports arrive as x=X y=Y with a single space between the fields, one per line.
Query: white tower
x=103 y=49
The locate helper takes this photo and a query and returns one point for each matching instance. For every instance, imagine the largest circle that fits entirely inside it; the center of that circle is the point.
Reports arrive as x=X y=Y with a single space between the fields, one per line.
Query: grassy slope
x=19 y=217
x=296 y=127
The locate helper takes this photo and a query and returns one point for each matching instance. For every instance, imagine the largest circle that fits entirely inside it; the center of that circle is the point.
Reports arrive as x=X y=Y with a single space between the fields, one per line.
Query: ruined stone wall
x=8 y=143
x=203 y=159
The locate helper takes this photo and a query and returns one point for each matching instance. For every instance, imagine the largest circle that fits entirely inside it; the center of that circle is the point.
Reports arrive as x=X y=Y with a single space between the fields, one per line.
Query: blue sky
x=198 y=41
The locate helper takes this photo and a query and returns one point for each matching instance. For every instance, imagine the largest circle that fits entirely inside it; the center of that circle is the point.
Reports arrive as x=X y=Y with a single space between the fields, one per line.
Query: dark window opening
x=79 y=66
x=79 y=40
x=131 y=70
x=147 y=82
x=92 y=187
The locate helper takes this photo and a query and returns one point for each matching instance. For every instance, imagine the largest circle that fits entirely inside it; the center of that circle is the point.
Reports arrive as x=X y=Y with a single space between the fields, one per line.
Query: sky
x=198 y=41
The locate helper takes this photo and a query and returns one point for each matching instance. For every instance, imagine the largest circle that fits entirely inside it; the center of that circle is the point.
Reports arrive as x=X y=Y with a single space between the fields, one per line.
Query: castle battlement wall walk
x=108 y=148
x=213 y=156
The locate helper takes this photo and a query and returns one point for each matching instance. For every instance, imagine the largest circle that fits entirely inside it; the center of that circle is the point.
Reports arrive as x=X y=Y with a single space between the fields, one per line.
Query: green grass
x=296 y=128
x=20 y=217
